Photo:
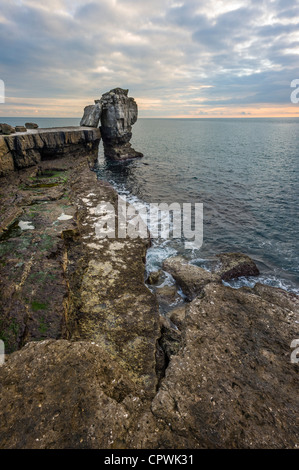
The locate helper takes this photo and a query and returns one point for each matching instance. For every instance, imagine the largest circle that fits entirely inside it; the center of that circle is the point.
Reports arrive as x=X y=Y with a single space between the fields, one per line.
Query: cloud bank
x=178 y=58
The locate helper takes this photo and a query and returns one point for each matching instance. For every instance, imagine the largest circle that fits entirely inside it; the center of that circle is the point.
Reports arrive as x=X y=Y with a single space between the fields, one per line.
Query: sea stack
x=117 y=112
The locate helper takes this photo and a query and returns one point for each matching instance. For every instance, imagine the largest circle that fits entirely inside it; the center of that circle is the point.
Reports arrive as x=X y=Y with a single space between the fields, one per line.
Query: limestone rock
x=119 y=113
x=170 y=340
x=228 y=383
x=67 y=282
x=109 y=301
x=25 y=150
x=232 y=384
x=31 y=125
x=190 y=278
x=92 y=116
x=234 y=265
x=58 y=394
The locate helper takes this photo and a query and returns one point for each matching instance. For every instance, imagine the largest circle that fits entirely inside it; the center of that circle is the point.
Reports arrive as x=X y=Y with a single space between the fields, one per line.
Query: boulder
x=92 y=115
x=121 y=152
x=21 y=129
x=31 y=125
x=235 y=265
x=6 y=129
x=190 y=278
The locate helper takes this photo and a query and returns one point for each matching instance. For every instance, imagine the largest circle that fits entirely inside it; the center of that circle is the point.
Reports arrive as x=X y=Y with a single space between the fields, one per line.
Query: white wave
x=272 y=281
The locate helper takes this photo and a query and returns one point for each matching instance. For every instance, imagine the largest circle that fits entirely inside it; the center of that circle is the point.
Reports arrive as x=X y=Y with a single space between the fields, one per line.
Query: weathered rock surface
x=35 y=212
x=59 y=280
x=119 y=113
x=235 y=265
x=28 y=149
x=58 y=394
x=109 y=302
x=228 y=383
x=232 y=384
x=190 y=278
x=92 y=116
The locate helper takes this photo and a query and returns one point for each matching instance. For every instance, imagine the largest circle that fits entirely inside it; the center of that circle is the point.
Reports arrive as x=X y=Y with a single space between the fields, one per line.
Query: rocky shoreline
x=91 y=361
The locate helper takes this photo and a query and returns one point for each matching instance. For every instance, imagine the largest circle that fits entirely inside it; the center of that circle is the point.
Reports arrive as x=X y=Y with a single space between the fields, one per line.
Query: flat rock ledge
x=26 y=149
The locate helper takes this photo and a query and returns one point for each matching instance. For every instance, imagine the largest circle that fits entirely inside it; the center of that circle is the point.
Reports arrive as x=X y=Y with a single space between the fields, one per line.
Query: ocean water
x=244 y=171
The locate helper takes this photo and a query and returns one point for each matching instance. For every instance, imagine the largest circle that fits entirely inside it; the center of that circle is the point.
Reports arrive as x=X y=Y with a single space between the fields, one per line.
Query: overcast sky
x=192 y=58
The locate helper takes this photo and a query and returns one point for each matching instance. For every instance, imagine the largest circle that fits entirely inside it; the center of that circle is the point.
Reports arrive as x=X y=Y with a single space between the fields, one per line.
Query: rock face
x=119 y=113
x=92 y=116
x=28 y=149
x=36 y=212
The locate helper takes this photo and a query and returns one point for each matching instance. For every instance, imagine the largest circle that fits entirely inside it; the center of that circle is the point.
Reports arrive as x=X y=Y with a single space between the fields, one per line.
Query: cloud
x=172 y=55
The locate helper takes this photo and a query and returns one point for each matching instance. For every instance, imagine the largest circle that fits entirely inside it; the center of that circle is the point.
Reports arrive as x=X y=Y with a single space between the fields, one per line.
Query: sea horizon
x=141 y=118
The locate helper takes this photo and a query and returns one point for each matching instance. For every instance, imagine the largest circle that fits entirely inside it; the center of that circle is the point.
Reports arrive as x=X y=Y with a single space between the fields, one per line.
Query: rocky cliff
x=26 y=149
